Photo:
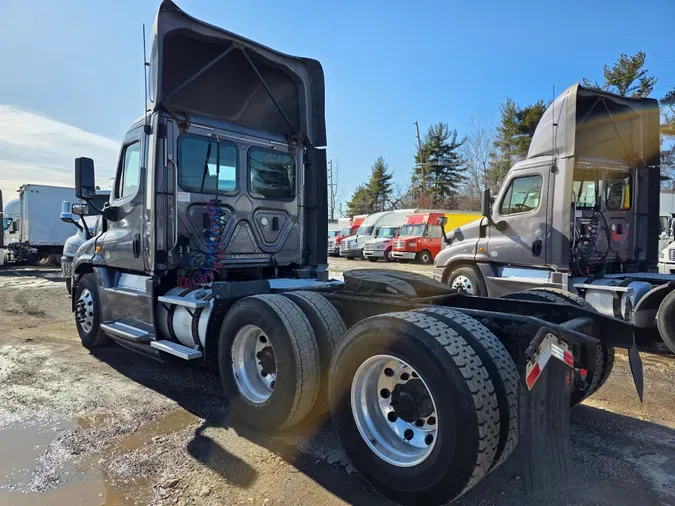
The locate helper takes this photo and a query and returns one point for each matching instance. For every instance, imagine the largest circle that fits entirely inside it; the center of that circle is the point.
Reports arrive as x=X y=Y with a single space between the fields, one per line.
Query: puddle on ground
x=81 y=482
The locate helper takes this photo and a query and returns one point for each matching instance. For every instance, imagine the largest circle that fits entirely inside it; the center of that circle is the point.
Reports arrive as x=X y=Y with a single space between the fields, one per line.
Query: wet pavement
x=113 y=428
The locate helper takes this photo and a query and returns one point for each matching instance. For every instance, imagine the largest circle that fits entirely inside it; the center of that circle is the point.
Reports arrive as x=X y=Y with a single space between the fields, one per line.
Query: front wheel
x=88 y=313
x=389 y=256
x=467 y=279
x=372 y=259
x=425 y=257
x=416 y=413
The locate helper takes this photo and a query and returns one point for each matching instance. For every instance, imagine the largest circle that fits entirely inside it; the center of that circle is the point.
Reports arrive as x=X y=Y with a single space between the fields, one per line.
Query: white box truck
x=32 y=226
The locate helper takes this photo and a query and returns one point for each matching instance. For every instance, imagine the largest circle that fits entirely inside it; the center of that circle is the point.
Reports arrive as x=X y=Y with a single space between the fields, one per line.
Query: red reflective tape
x=532 y=377
x=569 y=359
x=583 y=373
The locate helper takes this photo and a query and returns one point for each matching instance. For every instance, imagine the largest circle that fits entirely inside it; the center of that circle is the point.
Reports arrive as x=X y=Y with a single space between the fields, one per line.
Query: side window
x=618 y=194
x=522 y=195
x=434 y=231
x=130 y=171
x=271 y=174
x=206 y=166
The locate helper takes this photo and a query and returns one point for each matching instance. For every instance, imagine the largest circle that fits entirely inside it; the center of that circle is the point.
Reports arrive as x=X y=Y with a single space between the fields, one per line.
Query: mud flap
x=543 y=457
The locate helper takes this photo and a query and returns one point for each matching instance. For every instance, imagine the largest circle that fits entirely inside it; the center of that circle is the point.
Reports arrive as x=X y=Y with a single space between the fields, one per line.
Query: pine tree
x=379 y=186
x=514 y=135
x=626 y=77
x=360 y=203
x=439 y=167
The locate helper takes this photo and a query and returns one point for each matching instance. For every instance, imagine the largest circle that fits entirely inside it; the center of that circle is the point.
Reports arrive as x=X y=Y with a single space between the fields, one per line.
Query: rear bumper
x=405 y=255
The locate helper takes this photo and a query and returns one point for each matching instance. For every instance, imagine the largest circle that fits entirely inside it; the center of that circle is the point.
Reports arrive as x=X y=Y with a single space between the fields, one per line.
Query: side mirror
x=442 y=222
x=66 y=214
x=486 y=203
x=85 y=178
x=15 y=226
x=81 y=209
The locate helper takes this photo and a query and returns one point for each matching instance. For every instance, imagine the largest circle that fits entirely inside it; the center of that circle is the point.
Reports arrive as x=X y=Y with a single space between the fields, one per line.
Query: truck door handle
x=536 y=248
x=137 y=245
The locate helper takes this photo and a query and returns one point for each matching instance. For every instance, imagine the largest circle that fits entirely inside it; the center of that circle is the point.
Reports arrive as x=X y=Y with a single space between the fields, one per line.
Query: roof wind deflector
x=297 y=139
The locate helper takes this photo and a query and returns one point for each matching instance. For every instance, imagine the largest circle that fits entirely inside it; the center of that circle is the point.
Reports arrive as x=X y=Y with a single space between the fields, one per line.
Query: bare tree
x=401 y=197
x=480 y=136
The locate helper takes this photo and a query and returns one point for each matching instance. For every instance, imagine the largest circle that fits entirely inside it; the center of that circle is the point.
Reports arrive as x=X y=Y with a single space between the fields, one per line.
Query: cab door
x=124 y=242
x=518 y=228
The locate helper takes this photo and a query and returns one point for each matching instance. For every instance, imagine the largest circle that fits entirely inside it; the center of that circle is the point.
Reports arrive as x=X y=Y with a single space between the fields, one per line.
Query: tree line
x=450 y=171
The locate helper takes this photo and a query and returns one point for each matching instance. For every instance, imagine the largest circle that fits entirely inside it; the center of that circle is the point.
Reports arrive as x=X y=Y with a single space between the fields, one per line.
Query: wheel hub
x=411 y=401
x=84 y=311
x=266 y=361
x=254 y=365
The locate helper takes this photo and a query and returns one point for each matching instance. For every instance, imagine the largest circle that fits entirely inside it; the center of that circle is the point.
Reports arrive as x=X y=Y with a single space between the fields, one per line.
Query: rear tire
x=665 y=320
x=88 y=313
x=469 y=280
x=499 y=365
x=328 y=328
x=584 y=386
x=461 y=391
x=425 y=257
x=274 y=387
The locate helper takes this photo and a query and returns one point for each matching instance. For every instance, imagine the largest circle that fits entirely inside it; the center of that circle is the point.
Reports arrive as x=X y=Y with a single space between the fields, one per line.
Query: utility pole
x=421 y=163
x=332 y=190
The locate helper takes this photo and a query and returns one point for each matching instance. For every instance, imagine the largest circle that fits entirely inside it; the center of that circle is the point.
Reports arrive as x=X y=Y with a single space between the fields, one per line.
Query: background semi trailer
x=581 y=213
x=35 y=232
x=212 y=248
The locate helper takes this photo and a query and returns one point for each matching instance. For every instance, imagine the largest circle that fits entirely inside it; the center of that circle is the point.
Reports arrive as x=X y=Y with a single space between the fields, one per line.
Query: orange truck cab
x=349 y=229
x=421 y=237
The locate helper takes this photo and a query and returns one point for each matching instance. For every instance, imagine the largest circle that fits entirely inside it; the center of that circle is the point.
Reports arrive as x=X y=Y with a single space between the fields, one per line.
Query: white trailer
x=33 y=230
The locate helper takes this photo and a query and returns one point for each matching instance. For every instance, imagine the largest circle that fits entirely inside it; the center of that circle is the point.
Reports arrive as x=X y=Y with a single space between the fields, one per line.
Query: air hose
x=201 y=267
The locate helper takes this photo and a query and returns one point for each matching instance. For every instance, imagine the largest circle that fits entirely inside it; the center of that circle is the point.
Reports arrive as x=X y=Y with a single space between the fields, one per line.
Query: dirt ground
x=114 y=428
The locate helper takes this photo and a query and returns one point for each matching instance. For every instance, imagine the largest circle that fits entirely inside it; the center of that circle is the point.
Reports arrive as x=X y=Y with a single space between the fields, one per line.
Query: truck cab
x=381 y=247
x=352 y=247
x=349 y=228
x=580 y=213
x=420 y=237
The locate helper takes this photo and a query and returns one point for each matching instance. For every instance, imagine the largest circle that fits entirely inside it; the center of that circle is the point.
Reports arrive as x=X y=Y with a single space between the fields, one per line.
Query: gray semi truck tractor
x=580 y=214
x=212 y=249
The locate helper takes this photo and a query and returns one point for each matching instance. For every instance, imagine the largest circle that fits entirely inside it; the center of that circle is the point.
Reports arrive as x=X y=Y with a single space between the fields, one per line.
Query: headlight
x=412 y=244
x=69 y=250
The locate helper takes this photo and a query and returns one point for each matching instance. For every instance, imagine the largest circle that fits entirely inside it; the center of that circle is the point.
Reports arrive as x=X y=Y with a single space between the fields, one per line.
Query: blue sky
x=387 y=64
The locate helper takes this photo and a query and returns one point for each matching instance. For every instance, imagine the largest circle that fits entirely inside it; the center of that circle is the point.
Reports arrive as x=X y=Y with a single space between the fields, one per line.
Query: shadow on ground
x=618 y=460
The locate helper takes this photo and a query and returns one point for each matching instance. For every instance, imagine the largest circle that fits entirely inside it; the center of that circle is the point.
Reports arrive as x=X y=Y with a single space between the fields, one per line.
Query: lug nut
x=429 y=439
x=408 y=434
x=389 y=372
x=391 y=416
x=385 y=393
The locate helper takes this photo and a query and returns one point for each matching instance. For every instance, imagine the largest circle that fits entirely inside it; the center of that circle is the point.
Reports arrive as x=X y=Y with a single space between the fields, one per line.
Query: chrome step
x=125 y=331
x=181 y=301
x=176 y=349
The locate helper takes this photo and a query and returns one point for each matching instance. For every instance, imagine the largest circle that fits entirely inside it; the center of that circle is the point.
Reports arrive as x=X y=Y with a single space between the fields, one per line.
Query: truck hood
x=598 y=126
x=378 y=241
x=198 y=68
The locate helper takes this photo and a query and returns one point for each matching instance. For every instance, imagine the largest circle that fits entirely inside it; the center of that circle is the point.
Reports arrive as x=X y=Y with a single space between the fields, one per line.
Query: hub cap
x=84 y=310
x=253 y=364
x=394 y=411
x=464 y=284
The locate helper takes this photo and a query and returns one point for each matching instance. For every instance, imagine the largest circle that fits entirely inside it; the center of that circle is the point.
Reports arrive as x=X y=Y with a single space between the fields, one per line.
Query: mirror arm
x=85 y=229
x=72 y=222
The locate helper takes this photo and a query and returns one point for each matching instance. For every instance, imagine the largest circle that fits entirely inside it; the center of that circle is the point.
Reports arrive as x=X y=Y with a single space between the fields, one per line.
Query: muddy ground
x=114 y=428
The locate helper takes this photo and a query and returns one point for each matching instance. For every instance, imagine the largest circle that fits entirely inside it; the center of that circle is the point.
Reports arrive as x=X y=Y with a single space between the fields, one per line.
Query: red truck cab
x=421 y=237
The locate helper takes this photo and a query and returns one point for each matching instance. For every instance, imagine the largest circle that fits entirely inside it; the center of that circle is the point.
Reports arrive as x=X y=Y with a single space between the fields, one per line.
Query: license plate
x=550 y=346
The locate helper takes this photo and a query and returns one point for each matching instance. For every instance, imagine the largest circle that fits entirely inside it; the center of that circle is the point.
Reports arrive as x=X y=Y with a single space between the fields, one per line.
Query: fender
x=644 y=313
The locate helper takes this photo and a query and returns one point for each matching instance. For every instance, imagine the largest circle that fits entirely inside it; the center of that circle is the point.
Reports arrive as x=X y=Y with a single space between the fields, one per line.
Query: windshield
x=345 y=232
x=6 y=222
x=387 y=233
x=364 y=230
x=332 y=233
x=412 y=230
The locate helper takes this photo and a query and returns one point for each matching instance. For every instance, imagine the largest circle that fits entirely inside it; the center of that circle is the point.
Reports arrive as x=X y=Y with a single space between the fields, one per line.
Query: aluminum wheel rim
x=393 y=439
x=85 y=310
x=249 y=367
x=464 y=284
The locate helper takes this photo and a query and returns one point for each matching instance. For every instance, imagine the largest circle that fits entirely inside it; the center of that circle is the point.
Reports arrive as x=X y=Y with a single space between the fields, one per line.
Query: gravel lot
x=114 y=428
